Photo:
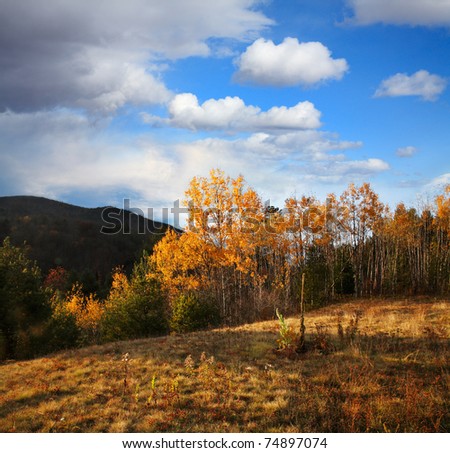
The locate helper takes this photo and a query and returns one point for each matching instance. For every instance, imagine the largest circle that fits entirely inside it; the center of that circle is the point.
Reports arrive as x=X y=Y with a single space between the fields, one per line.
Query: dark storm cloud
x=100 y=55
x=62 y=53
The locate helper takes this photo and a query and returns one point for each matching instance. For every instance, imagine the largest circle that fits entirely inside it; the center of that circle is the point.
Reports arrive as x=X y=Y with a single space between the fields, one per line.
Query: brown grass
x=386 y=371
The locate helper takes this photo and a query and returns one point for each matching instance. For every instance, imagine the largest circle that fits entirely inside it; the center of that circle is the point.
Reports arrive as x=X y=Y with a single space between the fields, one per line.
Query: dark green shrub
x=135 y=307
x=138 y=313
x=24 y=308
x=189 y=313
x=61 y=331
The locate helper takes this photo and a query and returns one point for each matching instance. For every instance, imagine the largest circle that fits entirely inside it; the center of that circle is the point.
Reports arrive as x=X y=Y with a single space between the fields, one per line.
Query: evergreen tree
x=23 y=305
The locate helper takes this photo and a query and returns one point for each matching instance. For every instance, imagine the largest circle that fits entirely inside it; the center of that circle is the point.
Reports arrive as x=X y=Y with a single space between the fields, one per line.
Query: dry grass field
x=370 y=366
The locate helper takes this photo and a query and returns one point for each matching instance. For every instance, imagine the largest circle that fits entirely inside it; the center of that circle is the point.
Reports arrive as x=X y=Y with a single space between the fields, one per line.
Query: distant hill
x=87 y=242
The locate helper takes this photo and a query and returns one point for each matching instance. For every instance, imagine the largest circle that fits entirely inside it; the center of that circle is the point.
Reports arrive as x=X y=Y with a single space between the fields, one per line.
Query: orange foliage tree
x=218 y=252
x=87 y=311
x=361 y=218
x=248 y=258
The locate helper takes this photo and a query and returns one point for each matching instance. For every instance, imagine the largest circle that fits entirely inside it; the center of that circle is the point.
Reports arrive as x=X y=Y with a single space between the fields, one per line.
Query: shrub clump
x=136 y=306
x=189 y=312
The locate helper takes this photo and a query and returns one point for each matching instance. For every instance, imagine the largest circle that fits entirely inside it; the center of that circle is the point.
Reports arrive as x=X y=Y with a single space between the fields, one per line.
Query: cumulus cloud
x=422 y=83
x=232 y=114
x=102 y=55
x=290 y=63
x=411 y=12
x=71 y=155
x=407 y=151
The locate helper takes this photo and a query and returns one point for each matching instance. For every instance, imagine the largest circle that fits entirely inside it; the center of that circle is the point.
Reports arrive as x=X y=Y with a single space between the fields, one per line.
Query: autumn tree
x=184 y=262
x=275 y=261
x=442 y=243
x=361 y=217
x=443 y=210
x=306 y=229
x=218 y=253
x=86 y=310
x=57 y=280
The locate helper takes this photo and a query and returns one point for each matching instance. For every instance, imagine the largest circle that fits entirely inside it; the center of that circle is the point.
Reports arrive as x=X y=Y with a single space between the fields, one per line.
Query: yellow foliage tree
x=87 y=311
x=184 y=261
x=361 y=217
x=443 y=210
x=218 y=251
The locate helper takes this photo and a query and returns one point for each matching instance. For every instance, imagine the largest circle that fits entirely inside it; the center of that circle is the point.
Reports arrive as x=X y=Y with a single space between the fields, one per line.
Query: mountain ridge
x=85 y=241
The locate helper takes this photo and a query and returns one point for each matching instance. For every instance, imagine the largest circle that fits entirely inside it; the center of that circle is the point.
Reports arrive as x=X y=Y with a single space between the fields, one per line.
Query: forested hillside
x=62 y=235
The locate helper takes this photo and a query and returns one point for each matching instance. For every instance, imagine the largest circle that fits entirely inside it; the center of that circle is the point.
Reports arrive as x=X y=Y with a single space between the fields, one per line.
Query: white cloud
x=113 y=82
x=101 y=55
x=422 y=83
x=279 y=166
x=305 y=146
x=433 y=188
x=290 y=63
x=70 y=155
x=440 y=181
x=340 y=171
x=411 y=12
x=232 y=114
x=362 y=167
x=407 y=151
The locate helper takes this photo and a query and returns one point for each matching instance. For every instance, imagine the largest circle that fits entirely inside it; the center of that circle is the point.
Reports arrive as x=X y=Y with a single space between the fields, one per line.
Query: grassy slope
x=388 y=373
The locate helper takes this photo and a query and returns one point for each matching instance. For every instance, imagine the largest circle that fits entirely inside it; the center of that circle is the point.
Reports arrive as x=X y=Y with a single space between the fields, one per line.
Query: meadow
x=376 y=365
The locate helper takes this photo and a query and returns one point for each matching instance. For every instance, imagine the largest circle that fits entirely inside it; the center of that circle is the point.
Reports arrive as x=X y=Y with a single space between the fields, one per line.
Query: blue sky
x=101 y=101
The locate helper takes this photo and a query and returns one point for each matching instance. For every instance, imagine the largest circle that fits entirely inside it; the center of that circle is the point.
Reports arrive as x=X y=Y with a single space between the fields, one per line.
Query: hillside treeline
x=60 y=234
x=237 y=261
